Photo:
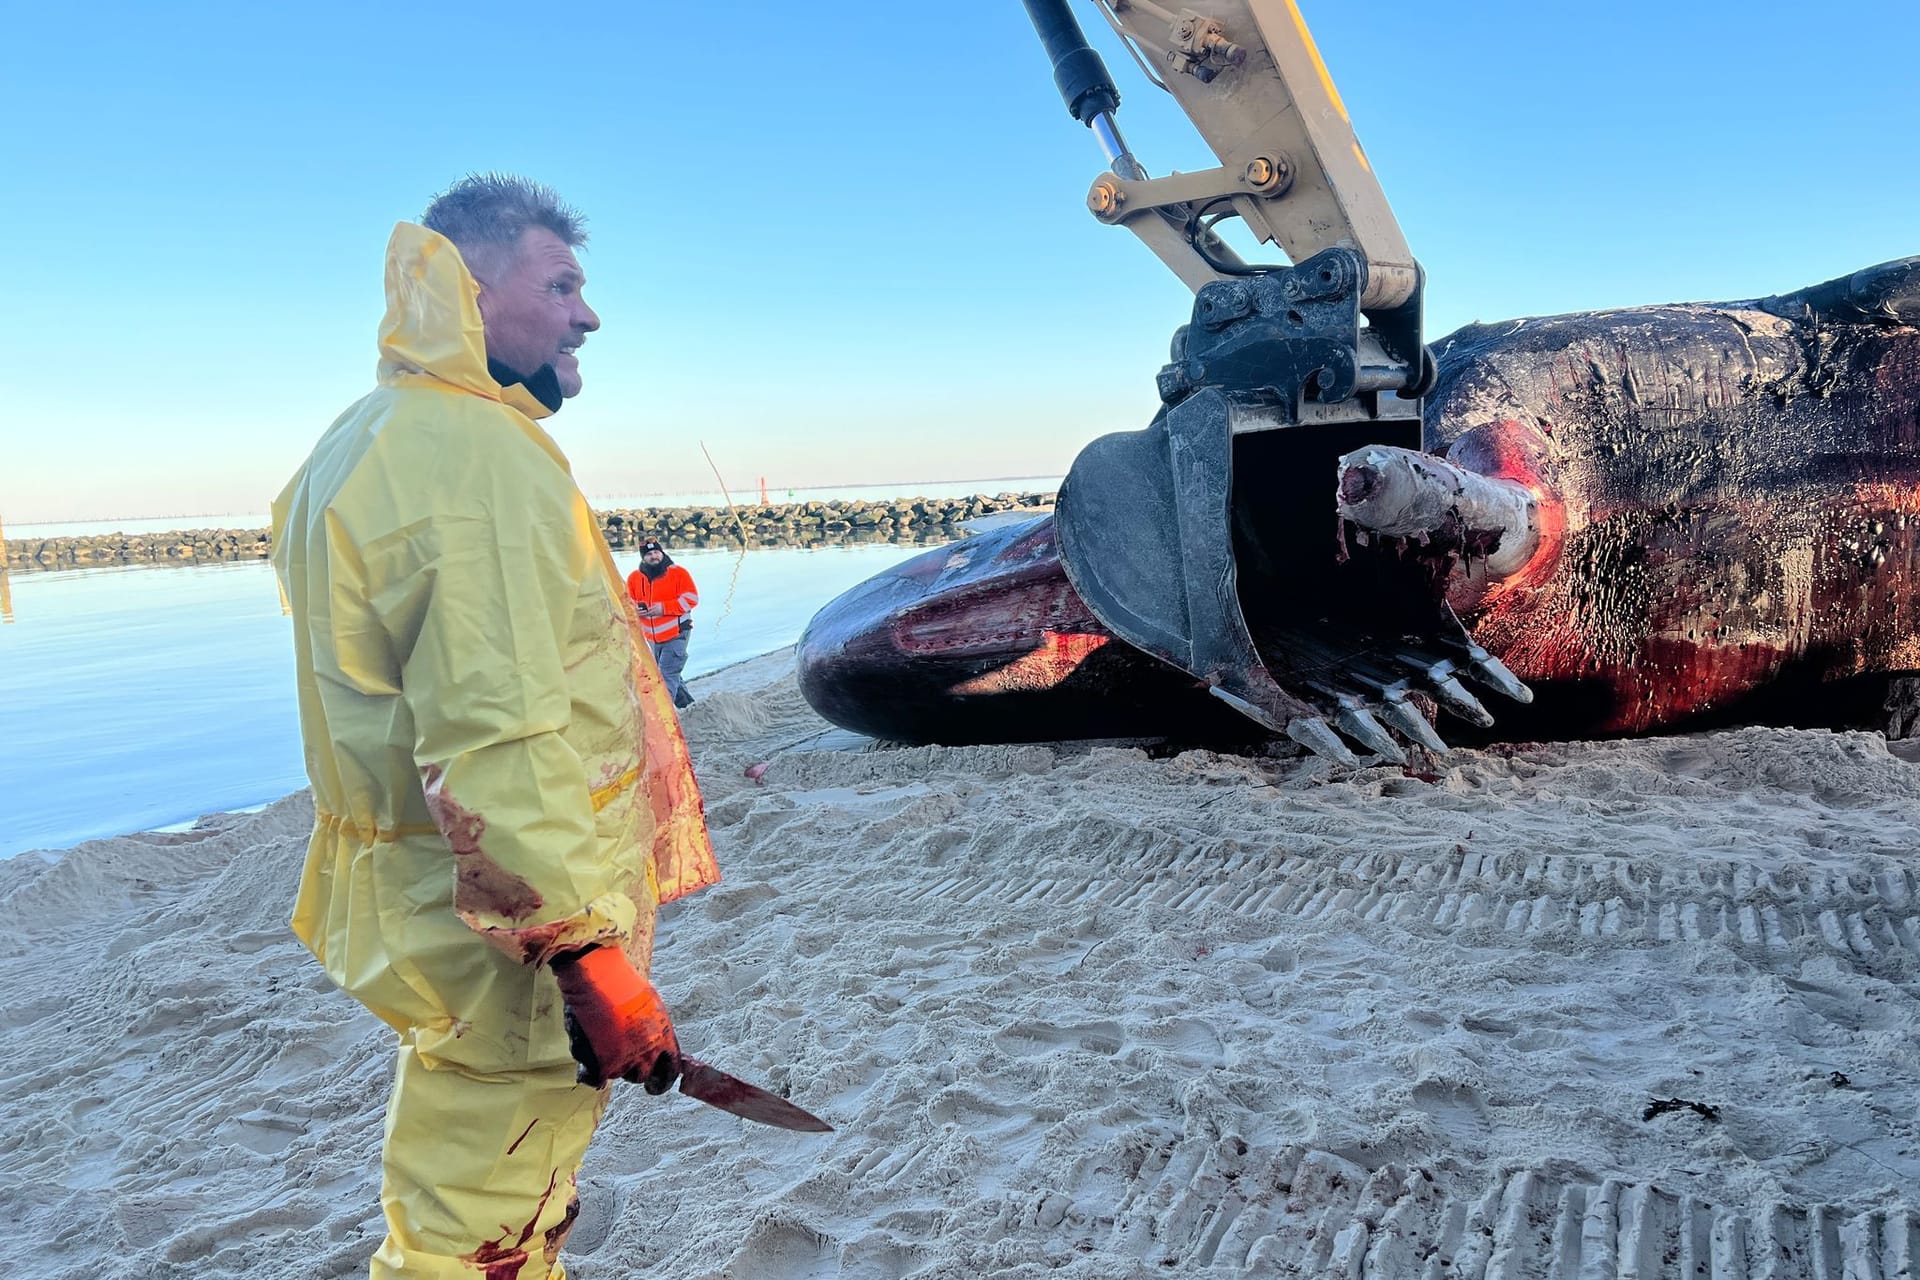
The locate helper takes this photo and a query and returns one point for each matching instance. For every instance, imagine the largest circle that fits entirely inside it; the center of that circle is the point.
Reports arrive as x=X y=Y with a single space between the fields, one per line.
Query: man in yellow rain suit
x=502 y=796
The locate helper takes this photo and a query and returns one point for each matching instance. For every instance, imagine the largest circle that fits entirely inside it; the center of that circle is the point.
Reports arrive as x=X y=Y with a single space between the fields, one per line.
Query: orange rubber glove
x=616 y=1025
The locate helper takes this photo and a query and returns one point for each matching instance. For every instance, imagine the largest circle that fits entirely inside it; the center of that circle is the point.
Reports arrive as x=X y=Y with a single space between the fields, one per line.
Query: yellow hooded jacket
x=491 y=747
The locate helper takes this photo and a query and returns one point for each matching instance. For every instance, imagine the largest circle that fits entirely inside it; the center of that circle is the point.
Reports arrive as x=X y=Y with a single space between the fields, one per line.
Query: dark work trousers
x=672 y=657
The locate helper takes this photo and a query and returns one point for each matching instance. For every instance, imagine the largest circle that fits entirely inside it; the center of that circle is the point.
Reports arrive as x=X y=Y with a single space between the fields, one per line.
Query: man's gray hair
x=484 y=215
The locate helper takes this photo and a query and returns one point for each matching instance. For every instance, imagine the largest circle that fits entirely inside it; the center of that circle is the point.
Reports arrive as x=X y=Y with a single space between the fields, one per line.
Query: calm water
x=133 y=698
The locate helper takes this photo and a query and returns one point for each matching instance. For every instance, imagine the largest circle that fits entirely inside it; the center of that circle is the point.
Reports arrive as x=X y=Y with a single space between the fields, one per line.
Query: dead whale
x=1651 y=519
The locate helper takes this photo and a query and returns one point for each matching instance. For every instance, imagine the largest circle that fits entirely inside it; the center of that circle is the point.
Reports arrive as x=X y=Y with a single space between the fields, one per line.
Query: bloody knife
x=711 y=1085
x=701 y=1082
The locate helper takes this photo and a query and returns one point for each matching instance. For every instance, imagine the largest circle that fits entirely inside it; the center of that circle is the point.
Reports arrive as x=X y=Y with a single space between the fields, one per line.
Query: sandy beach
x=1084 y=1010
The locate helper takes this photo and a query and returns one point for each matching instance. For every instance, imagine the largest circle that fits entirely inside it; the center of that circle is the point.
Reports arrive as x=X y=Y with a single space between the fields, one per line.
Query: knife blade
x=709 y=1084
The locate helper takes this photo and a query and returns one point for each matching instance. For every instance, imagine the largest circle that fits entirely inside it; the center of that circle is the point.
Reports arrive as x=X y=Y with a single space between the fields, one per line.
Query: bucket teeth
x=1454 y=697
x=1256 y=714
x=1315 y=735
x=1493 y=673
x=1366 y=694
x=1358 y=723
x=1405 y=717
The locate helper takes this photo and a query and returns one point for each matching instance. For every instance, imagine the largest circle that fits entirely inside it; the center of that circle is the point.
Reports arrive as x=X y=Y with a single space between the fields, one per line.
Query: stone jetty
x=790 y=524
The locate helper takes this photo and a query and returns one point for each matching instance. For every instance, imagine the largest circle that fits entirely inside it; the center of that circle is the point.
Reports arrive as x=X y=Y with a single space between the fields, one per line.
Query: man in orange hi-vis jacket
x=664 y=595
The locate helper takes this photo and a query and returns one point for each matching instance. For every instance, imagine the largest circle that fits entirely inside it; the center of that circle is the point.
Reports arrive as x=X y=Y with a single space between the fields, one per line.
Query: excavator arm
x=1203 y=539
x=1247 y=74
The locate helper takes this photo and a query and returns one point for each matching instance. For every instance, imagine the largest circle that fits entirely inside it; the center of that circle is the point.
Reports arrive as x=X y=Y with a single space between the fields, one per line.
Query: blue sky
x=838 y=244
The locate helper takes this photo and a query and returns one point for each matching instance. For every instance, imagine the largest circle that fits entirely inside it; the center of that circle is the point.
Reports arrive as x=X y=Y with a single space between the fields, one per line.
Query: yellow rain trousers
x=498 y=772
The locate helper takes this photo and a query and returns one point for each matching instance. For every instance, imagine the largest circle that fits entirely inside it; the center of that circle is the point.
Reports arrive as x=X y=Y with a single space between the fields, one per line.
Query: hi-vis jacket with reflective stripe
x=491 y=746
x=673 y=591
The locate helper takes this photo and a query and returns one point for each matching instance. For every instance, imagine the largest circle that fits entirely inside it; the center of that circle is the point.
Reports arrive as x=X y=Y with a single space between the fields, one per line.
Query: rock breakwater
x=791 y=524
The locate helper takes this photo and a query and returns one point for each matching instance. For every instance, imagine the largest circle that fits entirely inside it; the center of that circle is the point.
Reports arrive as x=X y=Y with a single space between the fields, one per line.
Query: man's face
x=533 y=309
x=655 y=557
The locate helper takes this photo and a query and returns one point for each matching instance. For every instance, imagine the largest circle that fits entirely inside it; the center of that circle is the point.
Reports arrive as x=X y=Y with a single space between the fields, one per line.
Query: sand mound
x=1078 y=1010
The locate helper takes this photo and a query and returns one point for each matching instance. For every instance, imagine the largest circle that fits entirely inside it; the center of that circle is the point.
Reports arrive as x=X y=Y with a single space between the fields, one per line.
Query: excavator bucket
x=1198 y=546
x=1216 y=553
x=1211 y=538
